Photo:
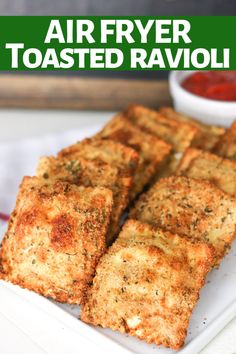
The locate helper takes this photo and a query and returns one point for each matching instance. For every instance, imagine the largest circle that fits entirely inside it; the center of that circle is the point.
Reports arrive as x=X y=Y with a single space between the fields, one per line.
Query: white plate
x=54 y=327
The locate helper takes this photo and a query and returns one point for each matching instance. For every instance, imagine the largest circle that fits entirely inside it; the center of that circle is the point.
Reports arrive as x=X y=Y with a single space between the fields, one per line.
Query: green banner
x=117 y=43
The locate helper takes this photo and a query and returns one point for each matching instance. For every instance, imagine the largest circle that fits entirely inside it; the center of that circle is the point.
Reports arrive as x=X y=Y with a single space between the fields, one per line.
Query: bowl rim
x=175 y=85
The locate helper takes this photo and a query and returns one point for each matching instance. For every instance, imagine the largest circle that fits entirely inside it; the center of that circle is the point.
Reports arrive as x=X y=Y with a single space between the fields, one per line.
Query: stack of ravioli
x=65 y=240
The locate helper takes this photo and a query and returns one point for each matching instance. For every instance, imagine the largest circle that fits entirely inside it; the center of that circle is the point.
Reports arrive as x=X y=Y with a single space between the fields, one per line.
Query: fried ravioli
x=153 y=152
x=147 y=285
x=192 y=208
x=204 y=165
x=167 y=169
x=178 y=134
x=226 y=145
x=56 y=235
x=207 y=135
x=91 y=173
x=108 y=151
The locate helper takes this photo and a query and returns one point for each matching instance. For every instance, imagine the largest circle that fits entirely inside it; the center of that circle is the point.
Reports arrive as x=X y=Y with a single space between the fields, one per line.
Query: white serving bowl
x=204 y=109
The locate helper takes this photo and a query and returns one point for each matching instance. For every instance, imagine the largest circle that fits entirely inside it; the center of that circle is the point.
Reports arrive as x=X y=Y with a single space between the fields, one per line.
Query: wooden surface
x=22 y=91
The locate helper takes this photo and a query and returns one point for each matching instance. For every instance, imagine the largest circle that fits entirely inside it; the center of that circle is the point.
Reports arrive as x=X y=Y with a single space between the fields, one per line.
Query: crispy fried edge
x=169 y=112
x=141 y=227
x=124 y=182
x=156 y=143
x=133 y=214
x=128 y=165
x=191 y=154
x=52 y=293
x=205 y=133
x=156 y=116
x=224 y=141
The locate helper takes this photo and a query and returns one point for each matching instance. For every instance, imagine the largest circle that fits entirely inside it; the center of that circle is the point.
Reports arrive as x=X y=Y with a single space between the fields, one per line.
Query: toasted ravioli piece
x=108 y=151
x=226 y=145
x=168 y=169
x=55 y=237
x=91 y=173
x=192 y=208
x=153 y=152
x=204 y=165
x=207 y=135
x=147 y=285
x=178 y=134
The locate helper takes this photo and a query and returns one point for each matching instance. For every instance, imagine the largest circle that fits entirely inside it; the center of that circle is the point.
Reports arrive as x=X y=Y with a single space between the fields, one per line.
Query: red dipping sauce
x=216 y=85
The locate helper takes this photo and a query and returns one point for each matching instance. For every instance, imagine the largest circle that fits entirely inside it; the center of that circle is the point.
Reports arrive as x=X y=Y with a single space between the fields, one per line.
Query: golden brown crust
x=207 y=135
x=108 y=151
x=178 y=134
x=147 y=285
x=153 y=152
x=226 y=145
x=204 y=165
x=55 y=238
x=168 y=169
x=193 y=208
x=91 y=173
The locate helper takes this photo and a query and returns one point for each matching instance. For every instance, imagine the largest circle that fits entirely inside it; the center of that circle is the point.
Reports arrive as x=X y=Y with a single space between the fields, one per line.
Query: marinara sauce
x=216 y=85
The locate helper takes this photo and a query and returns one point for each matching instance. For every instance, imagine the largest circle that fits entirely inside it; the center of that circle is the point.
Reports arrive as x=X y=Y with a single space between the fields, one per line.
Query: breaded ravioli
x=192 y=208
x=147 y=285
x=108 y=151
x=179 y=134
x=91 y=173
x=207 y=135
x=168 y=169
x=204 y=165
x=55 y=237
x=153 y=151
x=226 y=145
